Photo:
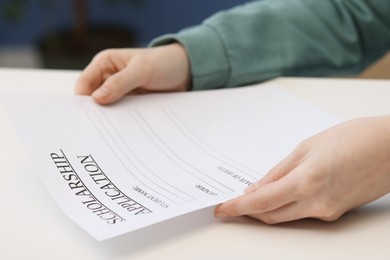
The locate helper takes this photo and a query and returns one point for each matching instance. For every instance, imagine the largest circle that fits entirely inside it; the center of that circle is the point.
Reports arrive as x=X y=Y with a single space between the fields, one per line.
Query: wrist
x=184 y=67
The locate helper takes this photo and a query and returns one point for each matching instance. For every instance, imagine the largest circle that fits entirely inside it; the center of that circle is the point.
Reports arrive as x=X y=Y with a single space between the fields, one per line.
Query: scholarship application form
x=114 y=169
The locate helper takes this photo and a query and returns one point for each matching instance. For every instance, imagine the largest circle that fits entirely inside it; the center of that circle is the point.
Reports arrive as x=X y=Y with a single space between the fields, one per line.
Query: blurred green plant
x=74 y=46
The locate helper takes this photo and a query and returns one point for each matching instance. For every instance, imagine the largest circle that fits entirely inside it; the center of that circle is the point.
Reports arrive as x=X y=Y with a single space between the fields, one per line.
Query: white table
x=33 y=227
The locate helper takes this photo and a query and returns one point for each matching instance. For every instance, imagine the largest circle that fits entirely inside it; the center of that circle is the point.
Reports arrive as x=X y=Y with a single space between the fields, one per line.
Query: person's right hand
x=114 y=73
x=328 y=174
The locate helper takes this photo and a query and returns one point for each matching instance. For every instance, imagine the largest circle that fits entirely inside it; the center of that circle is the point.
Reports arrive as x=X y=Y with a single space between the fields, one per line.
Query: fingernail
x=251 y=187
x=101 y=92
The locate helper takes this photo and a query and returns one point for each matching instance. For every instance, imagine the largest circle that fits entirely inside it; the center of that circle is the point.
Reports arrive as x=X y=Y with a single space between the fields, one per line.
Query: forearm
x=266 y=39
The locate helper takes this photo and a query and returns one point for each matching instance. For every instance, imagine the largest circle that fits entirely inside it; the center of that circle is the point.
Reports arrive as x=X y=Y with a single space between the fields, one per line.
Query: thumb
x=277 y=172
x=135 y=75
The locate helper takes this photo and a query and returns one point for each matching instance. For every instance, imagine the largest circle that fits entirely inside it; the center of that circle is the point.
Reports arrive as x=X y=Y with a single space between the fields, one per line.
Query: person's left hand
x=114 y=73
x=328 y=174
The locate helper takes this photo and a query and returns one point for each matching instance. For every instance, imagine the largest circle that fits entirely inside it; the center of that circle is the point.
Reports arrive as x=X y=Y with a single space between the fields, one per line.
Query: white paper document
x=145 y=159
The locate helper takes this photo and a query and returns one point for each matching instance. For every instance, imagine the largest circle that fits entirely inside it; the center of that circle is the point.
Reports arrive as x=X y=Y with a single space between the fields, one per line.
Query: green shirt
x=260 y=40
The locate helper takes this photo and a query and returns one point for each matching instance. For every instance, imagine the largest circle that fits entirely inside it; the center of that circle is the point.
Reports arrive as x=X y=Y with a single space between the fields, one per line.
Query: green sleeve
x=269 y=38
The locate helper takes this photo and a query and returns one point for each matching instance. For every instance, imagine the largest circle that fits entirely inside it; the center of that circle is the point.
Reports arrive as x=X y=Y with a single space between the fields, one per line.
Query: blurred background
x=66 y=34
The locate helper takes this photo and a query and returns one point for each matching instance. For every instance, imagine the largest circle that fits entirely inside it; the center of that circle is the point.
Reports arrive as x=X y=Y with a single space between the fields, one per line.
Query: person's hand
x=116 y=72
x=328 y=174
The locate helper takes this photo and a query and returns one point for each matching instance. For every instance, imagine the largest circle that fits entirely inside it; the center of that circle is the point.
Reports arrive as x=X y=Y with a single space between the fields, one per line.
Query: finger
x=268 y=198
x=289 y=212
x=88 y=81
x=281 y=169
x=135 y=75
x=97 y=71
